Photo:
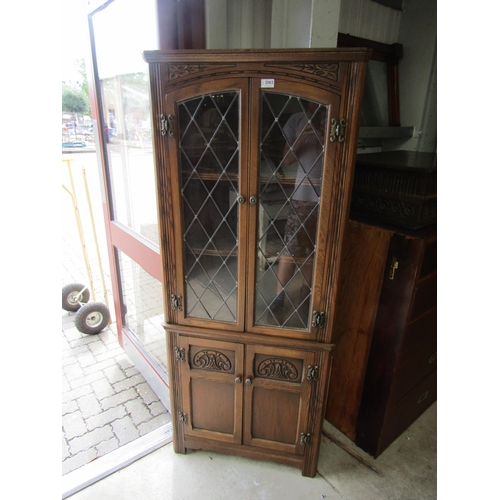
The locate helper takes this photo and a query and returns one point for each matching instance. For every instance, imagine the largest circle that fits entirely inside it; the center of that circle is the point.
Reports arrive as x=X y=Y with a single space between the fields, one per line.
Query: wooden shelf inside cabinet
x=219 y=252
x=385 y=333
x=207 y=174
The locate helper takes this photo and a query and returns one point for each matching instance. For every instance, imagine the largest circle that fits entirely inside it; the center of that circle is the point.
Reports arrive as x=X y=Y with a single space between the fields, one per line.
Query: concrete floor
x=406 y=470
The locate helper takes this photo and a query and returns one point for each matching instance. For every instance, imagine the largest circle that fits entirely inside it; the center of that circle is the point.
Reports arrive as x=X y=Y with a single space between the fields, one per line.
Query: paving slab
x=104 y=406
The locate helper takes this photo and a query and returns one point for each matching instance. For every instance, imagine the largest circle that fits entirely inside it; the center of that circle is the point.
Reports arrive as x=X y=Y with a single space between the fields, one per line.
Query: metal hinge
x=305 y=439
x=167 y=125
x=183 y=418
x=337 y=129
x=180 y=354
x=176 y=301
x=318 y=319
x=313 y=373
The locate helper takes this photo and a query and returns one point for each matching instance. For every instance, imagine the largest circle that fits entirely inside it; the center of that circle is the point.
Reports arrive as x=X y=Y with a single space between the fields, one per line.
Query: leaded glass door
x=210 y=140
x=295 y=180
x=250 y=178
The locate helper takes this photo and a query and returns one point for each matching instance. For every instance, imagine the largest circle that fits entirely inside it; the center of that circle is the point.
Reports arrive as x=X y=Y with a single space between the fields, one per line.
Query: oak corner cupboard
x=254 y=154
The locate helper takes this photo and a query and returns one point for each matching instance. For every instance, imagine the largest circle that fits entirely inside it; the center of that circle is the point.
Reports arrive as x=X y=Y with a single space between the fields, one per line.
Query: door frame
x=174 y=17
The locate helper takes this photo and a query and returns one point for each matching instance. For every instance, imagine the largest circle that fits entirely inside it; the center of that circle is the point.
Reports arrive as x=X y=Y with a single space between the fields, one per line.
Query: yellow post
x=72 y=193
x=84 y=174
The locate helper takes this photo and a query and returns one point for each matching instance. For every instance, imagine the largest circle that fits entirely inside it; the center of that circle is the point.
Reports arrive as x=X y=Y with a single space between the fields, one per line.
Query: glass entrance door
x=120 y=32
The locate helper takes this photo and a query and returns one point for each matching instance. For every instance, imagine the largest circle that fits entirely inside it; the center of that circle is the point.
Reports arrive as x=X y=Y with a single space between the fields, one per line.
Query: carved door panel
x=212 y=389
x=277 y=398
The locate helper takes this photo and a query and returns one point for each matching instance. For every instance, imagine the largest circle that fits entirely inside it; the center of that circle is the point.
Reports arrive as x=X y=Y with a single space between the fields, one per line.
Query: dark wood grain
x=397 y=365
x=362 y=268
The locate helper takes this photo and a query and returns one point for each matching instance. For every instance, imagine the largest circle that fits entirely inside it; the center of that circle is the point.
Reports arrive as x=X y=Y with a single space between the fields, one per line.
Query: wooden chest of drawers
x=384 y=365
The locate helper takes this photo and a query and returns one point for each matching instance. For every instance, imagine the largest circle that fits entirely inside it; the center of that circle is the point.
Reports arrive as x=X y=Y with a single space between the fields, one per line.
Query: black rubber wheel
x=72 y=296
x=92 y=318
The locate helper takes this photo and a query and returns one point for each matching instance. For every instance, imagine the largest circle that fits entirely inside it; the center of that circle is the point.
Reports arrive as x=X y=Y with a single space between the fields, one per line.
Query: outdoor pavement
x=106 y=402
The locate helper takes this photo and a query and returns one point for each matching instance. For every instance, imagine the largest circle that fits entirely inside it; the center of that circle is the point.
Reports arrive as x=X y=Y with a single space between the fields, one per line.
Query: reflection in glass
x=122 y=32
x=142 y=297
x=292 y=153
x=209 y=157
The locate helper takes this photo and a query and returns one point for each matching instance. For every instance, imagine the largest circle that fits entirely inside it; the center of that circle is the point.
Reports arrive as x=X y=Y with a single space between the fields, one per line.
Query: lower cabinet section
x=259 y=401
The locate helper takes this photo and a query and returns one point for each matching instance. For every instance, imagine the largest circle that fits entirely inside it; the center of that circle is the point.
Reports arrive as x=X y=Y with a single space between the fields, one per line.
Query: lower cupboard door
x=212 y=389
x=277 y=397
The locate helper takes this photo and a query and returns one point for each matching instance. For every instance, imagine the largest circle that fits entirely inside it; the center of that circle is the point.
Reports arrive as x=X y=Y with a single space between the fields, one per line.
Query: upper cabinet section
x=254 y=158
x=326 y=68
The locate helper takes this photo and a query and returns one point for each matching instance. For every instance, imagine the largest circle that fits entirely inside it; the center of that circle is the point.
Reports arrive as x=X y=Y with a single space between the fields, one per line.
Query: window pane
x=122 y=32
x=142 y=298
